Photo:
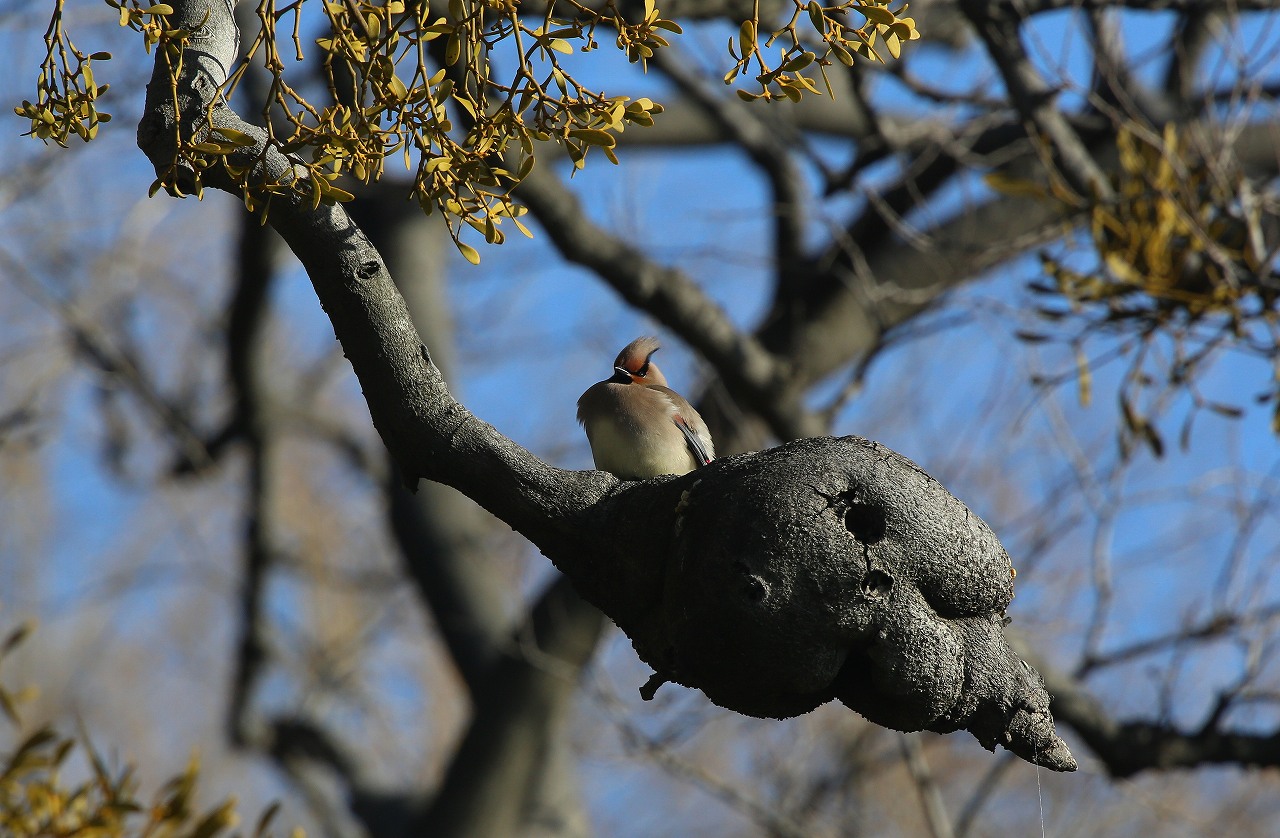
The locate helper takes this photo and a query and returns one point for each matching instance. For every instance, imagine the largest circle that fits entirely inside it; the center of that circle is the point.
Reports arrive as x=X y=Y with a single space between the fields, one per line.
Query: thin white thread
x=1040 y=795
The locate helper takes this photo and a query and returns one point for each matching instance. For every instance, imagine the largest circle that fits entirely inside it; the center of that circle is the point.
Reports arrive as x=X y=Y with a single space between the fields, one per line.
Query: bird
x=639 y=427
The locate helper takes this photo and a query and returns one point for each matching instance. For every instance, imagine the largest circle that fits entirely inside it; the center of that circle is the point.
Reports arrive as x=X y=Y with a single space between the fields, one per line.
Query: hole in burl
x=865 y=521
x=877 y=584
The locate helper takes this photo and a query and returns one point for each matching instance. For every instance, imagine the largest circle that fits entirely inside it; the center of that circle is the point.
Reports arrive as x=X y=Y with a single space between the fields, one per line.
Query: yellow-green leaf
x=799 y=62
x=594 y=137
x=893 y=43
x=747 y=37
x=876 y=14
x=815 y=16
x=236 y=138
x=337 y=193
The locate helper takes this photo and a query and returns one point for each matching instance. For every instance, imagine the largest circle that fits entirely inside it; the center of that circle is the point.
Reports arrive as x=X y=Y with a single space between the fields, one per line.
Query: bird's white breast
x=629 y=448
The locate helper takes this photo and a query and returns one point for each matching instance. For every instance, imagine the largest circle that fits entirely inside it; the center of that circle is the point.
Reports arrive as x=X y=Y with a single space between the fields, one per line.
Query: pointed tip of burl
x=1057 y=758
x=1032 y=737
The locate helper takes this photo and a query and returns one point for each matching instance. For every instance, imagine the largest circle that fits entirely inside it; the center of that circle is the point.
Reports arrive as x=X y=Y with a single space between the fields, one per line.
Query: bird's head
x=633 y=364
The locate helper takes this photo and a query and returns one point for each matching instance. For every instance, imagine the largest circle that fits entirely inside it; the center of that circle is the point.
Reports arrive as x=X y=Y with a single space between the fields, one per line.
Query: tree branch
x=512 y=774
x=246 y=371
x=1129 y=748
x=773 y=582
x=442 y=534
x=766 y=142
x=751 y=373
x=519 y=720
x=998 y=26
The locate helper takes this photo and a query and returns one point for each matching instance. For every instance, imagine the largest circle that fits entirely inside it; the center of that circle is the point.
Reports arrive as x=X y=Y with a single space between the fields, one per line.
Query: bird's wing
x=696 y=443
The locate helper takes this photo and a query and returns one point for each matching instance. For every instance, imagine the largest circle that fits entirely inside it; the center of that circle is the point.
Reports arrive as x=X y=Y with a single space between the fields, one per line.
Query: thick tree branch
x=428 y=432
x=774 y=582
x=866 y=293
x=870 y=281
x=443 y=536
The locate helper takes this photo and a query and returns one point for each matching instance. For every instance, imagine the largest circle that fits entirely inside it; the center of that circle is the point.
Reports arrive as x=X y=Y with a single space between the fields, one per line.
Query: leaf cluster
x=1182 y=272
x=1174 y=242
x=464 y=98
x=789 y=75
x=66 y=93
x=37 y=801
x=406 y=82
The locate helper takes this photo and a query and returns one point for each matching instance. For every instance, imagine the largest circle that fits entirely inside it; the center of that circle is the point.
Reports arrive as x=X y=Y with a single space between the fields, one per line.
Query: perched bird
x=639 y=427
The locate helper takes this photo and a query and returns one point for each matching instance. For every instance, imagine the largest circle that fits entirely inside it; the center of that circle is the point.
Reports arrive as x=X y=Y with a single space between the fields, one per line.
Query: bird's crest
x=634 y=358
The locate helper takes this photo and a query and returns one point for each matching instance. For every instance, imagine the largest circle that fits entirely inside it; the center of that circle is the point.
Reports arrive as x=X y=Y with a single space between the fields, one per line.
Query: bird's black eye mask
x=622 y=375
x=644 y=369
